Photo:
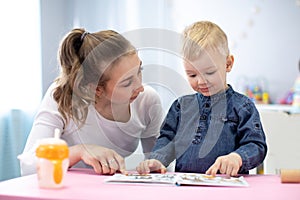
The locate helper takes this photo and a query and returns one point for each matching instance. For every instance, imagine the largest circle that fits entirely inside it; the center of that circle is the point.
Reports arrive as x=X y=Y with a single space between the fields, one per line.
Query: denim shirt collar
x=216 y=97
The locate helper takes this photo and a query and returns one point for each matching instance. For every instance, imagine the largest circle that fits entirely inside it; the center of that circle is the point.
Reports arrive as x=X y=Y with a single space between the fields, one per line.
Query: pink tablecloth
x=84 y=184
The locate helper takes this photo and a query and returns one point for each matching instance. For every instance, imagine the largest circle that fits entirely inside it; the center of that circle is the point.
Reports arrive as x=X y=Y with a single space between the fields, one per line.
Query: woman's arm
x=103 y=160
x=153 y=112
x=46 y=121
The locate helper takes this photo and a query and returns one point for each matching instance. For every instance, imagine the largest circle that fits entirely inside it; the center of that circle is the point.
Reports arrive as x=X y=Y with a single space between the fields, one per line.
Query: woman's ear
x=229 y=63
x=97 y=89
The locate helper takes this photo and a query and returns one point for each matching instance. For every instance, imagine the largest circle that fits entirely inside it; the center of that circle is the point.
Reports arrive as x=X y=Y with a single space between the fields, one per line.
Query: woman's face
x=125 y=80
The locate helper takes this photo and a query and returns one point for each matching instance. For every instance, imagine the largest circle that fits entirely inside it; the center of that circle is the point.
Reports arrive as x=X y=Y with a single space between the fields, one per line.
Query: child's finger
x=213 y=169
x=163 y=169
x=223 y=168
x=157 y=166
x=145 y=167
x=229 y=170
x=142 y=168
x=234 y=171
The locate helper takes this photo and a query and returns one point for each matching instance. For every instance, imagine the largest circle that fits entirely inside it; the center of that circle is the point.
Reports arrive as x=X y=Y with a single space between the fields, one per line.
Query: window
x=20 y=79
x=20 y=76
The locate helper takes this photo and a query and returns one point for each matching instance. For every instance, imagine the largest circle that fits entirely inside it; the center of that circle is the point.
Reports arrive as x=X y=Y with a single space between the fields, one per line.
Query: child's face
x=207 y=74
x=125 y=81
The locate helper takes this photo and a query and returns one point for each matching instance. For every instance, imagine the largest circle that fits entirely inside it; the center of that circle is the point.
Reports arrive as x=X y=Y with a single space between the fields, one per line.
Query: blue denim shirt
x=198 y=129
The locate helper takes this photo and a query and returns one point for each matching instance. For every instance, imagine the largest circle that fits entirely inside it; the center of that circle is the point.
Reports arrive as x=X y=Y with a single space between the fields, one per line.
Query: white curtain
x=20 y=79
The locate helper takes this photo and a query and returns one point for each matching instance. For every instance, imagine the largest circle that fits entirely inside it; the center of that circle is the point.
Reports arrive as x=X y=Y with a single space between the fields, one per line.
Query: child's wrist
x=238 y=158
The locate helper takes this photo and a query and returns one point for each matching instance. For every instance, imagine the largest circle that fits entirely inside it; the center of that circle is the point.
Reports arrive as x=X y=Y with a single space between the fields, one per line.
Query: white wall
x=263 y=35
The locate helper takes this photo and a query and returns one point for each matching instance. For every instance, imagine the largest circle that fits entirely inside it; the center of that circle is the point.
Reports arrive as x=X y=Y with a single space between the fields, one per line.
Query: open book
x=179 y=179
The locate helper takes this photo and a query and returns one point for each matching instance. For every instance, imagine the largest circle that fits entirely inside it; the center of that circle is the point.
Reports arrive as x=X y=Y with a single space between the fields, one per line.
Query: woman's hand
x=151 y=165
x=103 y=160
x=228 y=164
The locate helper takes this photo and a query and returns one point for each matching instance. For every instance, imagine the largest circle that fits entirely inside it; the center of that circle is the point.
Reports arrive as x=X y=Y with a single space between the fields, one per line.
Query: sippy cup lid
x=55 y=140
x=53 y=148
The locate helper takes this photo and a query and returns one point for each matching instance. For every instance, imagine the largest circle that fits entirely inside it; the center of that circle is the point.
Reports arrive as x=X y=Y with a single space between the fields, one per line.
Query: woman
x=98 y=102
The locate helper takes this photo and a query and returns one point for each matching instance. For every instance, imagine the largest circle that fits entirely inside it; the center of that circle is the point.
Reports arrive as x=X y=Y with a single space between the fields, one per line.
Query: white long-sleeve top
x=144 y=124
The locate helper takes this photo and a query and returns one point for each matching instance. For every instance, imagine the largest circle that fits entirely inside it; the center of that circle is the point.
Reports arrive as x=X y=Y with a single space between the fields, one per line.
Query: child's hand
x=151 y=165
x=229 y=165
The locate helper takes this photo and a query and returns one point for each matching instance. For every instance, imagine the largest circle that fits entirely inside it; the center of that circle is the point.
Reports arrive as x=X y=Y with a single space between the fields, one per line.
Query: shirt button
x=203 y=117
x=196 y=140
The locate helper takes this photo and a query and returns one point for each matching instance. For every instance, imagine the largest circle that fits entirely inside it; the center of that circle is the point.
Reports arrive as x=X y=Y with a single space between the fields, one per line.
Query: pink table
x=84 y=184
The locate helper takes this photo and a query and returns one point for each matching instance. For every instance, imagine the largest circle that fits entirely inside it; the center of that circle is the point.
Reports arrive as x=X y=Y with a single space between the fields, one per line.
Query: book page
x=208 y=180
x=179 y=179
x=147 y=178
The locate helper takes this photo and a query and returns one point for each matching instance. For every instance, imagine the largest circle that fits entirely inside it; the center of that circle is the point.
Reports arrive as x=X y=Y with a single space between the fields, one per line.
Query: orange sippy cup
x=53 y=161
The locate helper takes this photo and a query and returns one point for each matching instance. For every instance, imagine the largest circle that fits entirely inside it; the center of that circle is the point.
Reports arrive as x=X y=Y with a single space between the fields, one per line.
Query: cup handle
x=58 y=171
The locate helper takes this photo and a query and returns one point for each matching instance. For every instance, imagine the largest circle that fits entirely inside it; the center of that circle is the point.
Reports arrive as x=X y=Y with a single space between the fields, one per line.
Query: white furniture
x=283 y=137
